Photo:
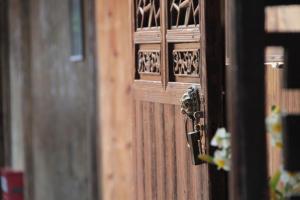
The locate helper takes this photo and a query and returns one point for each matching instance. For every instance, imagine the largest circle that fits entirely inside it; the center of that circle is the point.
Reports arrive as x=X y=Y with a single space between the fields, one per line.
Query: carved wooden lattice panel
x=149 y=61
x=147 y=14
x=167 y=42
x=186 y=62
x=184 y=13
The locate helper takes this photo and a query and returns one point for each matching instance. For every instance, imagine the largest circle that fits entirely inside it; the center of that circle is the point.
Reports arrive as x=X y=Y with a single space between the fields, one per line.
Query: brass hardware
x=192 y=105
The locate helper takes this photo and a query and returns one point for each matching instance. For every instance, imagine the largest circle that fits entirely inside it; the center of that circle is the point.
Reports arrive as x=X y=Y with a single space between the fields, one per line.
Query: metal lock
x=193 y=139
x=192 y=106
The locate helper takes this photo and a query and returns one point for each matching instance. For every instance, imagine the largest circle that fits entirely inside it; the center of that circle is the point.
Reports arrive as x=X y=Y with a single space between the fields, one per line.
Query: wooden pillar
x=4 y=86
x=246 y=100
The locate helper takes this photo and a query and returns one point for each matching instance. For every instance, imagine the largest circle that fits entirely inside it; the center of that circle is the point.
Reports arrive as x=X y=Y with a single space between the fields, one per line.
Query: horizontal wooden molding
x=151 y=36
x=183 y=35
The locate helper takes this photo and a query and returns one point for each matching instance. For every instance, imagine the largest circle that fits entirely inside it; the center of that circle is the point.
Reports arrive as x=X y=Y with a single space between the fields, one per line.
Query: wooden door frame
x=246 y=100
x=5 y=151
x=213 y=41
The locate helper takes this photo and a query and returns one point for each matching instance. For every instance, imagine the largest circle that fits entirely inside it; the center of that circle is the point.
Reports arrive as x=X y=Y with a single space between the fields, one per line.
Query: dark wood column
x=246 y=100
x=4 y=86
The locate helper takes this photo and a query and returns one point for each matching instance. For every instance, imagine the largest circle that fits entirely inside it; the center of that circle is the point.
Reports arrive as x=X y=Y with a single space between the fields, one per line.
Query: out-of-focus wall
x=53 y=100
x=17 y=59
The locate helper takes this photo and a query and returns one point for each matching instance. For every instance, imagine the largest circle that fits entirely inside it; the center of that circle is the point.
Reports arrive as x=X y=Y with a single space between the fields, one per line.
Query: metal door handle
x=192 y=106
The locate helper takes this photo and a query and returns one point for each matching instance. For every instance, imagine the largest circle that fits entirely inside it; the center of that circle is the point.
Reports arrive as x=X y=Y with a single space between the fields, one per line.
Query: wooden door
x=177 y=44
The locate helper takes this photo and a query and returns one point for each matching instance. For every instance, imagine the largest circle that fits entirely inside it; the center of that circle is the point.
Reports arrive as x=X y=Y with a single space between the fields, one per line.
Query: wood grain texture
x=149 y=150
x=183 y=35
x=183 y=158
x=163 y=164
x=170 y=145
x=160 y=151
x=115 y=98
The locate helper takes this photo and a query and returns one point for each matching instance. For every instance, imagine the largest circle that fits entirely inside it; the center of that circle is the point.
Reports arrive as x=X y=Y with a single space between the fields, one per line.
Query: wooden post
x=246 y=100
x=5 y=139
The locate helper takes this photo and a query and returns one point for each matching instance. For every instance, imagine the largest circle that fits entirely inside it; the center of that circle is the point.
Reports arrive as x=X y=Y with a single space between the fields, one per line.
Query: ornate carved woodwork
x=147 y=14
x=149 y=61
x=184 y=13
x=180 y=56
x=186 y=62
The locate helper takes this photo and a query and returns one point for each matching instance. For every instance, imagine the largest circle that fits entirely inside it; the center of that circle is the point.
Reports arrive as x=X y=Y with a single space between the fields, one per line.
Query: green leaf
x=207 y=158
x=275 y=180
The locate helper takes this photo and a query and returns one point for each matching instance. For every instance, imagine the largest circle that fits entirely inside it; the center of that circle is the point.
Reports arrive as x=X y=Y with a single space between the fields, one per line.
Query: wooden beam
x=282 y=2
x=282 y=38
x=246 y=101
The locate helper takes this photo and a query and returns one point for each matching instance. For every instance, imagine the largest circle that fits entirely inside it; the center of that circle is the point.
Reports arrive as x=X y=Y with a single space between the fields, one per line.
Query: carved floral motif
x=149 y=61
x=186 y=62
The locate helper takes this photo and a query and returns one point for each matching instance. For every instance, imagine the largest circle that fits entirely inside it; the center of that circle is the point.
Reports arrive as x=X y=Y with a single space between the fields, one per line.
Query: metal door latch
x=192 y=106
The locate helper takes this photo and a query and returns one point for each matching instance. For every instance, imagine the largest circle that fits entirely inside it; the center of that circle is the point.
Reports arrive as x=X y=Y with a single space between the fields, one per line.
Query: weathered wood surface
x=115 y=98
x=164 y=166
x=58 y=105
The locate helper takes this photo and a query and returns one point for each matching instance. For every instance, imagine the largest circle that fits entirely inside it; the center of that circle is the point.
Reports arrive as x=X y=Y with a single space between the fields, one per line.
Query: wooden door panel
x=170 y=57
x=163 y=164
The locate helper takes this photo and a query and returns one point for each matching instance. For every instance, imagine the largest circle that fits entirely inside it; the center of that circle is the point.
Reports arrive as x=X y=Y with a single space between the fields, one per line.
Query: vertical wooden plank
x=160 y=151
x=139 y=152
x=198 y=180
x=153 y=152
x=246 y=105
x=182 y=160
x=149 y=150
x=193 y=172
x=115 y=71
x=171 y=170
